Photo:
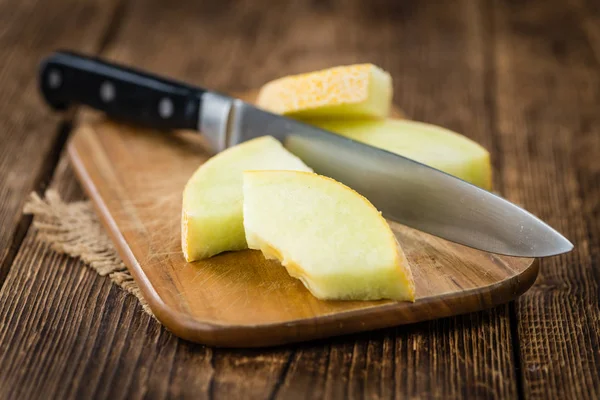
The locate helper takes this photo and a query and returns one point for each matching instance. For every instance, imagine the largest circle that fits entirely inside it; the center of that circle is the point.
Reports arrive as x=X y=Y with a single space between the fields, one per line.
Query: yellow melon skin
x=353 y=91
x=325 y=234
x=212 y=220
x=429 y=144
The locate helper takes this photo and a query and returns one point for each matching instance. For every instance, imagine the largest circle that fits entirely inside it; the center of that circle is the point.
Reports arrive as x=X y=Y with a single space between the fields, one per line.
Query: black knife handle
x=67 y=78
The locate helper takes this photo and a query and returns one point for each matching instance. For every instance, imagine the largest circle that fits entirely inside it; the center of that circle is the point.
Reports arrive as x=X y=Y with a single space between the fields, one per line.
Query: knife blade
x=404 y=190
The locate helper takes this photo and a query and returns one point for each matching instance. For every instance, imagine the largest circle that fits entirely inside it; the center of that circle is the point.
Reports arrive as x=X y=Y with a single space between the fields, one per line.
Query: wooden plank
x=547 y=111
x=69 y=335
x=447 y=358
x=30 y=134
x=66 y=332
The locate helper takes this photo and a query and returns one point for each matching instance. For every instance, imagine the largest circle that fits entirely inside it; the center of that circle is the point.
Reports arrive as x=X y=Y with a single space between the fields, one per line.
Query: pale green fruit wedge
x=429 y=144
x=351 y=91
x=212 y=220
x=326 y=235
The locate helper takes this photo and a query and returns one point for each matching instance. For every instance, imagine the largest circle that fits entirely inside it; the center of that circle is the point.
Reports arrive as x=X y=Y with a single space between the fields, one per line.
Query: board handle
x=123 y=93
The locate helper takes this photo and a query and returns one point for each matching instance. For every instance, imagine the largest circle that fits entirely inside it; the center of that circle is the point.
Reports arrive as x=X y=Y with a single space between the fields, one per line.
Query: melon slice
x=429 y=144
x=353 y=91
x=326 y=235
x=212 y=220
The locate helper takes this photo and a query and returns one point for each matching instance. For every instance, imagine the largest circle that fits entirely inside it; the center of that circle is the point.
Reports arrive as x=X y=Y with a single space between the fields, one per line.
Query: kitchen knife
x=404 y=190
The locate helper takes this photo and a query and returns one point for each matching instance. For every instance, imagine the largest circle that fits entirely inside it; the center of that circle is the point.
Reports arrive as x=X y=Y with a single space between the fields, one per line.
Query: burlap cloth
x=74 y=229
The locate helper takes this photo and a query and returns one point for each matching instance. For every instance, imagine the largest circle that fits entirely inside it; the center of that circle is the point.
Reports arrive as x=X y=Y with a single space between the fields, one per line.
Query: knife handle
x=67 y=78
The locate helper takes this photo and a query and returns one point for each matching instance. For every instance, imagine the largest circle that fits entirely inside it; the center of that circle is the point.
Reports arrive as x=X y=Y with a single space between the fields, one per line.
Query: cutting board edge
x=264 y=335
x=343 y=323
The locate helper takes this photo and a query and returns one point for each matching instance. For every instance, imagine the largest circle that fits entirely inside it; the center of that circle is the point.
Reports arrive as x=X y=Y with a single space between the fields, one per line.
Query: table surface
x=520 y=77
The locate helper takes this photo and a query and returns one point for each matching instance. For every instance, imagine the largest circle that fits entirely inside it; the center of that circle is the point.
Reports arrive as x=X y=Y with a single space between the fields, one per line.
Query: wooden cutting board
x=135 y=178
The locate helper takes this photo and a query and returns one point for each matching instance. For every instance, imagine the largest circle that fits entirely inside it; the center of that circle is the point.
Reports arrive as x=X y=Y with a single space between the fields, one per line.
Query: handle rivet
x=165 y=108
x=107 y=92
x=54 y=79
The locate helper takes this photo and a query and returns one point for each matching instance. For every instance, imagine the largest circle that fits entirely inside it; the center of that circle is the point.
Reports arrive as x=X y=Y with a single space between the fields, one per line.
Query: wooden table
x=522 y=78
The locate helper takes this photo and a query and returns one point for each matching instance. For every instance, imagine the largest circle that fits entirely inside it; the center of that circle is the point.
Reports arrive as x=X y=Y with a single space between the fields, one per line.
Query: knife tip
x=566 y=245
x=561 y=245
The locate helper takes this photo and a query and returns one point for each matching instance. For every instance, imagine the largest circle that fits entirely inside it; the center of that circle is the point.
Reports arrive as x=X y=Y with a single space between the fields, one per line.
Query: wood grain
x=30 y=135
x=66 y=332
x=548 y=137
x=446 y=340
x=64 y=336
